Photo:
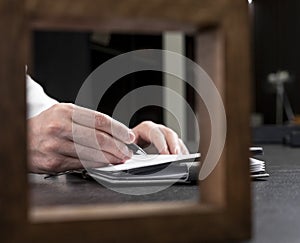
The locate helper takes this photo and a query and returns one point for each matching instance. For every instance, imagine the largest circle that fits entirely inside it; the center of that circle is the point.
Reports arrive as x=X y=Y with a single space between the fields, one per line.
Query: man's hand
x=56 y=135
x=164 y=139
x=65 y=136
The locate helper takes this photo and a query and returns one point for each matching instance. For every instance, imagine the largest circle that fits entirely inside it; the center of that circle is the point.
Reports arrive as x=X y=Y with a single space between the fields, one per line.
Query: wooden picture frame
x=224 y=212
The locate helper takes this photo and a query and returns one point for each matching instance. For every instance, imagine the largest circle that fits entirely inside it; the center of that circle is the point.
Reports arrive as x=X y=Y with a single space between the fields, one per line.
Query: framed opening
x=224 y=209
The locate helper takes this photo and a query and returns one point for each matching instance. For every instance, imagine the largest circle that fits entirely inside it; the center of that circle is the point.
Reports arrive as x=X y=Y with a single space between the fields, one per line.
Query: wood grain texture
x=226 y=216
x=129 y=15
x=229 y=184
x=13 y=193
x=183 y=226
x=210 y=56
x=237 y=98
x=69 y=213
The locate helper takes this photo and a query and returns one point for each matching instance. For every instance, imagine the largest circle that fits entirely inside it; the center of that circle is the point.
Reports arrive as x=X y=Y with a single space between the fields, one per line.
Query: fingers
x=63 y=155
x=164 y=139
x=172 y=140
x=183 y=148
x=70 y=149
x=103 y=123
x=82 y=132
x=158 y=139
x=57 y=144
x=95 y=139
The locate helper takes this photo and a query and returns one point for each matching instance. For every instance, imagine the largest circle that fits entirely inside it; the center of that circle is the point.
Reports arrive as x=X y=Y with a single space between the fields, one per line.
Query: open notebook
x=154 y=168
x=150 y=169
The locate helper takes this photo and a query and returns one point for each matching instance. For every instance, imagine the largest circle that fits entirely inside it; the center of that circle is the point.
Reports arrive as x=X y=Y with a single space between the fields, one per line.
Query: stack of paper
x=257 y=166
x=154 y=168
x=150 y=169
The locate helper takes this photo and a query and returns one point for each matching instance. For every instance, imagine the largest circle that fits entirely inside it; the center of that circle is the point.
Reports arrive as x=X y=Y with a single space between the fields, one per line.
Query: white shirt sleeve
x=37 y=99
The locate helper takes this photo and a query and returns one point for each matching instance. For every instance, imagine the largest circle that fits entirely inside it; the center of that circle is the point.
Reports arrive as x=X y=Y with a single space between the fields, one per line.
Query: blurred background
x=275 y=48
x=62 y=61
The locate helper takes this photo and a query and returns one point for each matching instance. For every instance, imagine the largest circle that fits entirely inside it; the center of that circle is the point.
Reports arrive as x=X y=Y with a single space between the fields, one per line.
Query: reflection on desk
x=73 y=190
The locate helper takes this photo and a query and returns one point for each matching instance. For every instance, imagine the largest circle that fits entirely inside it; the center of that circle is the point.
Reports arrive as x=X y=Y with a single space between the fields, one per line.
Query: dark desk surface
x=276 y=202
x=73 y=190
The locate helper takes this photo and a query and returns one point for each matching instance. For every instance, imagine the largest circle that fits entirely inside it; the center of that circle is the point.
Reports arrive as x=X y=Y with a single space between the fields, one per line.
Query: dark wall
x=276 y=47
x=63 y=60
x=120 y=43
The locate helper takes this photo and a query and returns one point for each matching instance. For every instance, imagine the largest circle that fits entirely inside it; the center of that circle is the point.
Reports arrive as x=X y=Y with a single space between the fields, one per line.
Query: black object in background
x=277 y=134
x=276 y=47
x=61 y=62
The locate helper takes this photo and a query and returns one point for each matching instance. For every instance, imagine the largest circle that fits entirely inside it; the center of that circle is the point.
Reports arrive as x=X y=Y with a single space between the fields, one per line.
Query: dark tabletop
x=276 y=201
x=73 y=190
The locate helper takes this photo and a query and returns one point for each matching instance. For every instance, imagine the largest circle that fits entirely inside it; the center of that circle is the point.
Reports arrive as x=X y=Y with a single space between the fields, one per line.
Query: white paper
x=257 y=165
x=138 y=161
x=256 y=149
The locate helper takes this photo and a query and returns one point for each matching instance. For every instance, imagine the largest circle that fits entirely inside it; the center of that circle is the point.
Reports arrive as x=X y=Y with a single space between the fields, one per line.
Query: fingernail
x=177 y=150
x=164 y=151
x=131 y=136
